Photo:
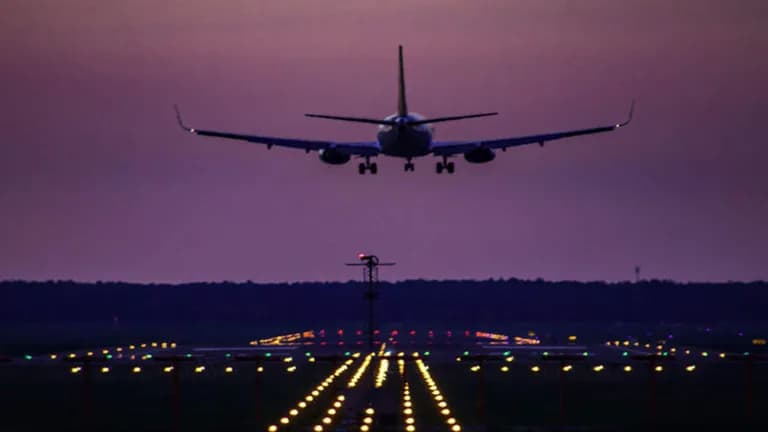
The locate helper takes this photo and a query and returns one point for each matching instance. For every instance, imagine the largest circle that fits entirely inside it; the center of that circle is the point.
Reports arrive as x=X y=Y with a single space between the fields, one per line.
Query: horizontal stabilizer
x=353 y=119
x=452 y=118
x=394 y=123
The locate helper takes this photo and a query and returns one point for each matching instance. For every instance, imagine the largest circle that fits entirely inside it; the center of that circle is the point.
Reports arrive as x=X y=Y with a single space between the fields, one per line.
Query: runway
x=452 y=380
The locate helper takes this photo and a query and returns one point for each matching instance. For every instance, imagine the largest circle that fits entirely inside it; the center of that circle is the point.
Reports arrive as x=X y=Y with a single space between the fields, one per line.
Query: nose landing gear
x=409 y=166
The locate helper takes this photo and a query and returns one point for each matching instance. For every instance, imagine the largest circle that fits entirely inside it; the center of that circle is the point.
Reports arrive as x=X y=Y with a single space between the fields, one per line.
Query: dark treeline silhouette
x=407 y=301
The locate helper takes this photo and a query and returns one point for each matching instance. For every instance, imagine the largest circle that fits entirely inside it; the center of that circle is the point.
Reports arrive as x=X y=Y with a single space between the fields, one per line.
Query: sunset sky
x=97 y=182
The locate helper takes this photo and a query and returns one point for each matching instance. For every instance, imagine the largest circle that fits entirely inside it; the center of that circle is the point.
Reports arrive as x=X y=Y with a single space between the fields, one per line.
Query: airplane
x=404 y=135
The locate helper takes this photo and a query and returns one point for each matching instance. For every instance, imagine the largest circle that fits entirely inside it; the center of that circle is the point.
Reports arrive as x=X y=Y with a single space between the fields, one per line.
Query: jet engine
x=480 y=155
x=333 y=157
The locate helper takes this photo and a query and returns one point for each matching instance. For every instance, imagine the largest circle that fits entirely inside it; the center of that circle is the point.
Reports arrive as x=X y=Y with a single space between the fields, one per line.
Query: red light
x=413 y=332
x=359 y=332
x=361 y=255
x=376 y=332
x=395 y=332
x=340 y=332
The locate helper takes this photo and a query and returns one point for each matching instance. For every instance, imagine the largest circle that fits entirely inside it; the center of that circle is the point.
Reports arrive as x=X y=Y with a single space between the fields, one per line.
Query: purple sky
x=97 y=181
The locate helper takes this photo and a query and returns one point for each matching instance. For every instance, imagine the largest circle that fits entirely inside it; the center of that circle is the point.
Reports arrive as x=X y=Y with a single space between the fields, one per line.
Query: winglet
x=180 y=121
x=629 y=117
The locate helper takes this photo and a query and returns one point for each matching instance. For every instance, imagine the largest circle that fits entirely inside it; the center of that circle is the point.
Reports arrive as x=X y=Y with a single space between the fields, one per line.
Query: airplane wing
x=363 y=148
x=450 y=148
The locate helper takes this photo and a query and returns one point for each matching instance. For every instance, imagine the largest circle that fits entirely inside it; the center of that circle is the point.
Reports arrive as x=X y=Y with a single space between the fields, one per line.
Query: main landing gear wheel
x=447 y=166
x=409 y=167
x=368 y=166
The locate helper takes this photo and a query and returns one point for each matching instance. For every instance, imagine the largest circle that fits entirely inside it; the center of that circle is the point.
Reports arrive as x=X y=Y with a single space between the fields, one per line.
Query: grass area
x=51 y=398
x=612 y=400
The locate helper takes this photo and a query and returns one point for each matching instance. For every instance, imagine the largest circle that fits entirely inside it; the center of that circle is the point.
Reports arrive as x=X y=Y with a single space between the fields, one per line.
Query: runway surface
x=412 y=379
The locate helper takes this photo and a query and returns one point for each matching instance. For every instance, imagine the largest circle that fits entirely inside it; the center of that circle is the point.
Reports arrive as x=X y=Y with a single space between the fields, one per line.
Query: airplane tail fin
x=402 y=107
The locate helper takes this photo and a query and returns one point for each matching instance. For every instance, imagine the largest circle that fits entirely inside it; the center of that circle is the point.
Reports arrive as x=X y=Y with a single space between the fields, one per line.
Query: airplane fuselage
x=403 y=140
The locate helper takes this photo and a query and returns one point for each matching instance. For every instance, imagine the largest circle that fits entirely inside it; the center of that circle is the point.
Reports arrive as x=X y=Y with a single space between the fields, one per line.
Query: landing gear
x=445 y=165
x=367 y=166
x=409 y=166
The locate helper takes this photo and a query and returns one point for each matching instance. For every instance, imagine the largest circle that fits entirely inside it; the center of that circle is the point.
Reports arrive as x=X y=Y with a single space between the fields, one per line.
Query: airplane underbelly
x=405 y=143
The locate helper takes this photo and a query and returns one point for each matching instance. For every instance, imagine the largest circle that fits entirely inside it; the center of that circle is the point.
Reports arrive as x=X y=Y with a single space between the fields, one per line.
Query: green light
x=227 y=355
x=664 y=354
x=269 y=354
x=149 y=356
x=27 y=357
x=546 y=353
x=625 y=354
x=188 y=355
x=426 y=353
x=109 y=356
x=347 y=354
x=466 y=353
x=746 y=353
x=507 y=353
x=585 y=354
x=307 y=354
